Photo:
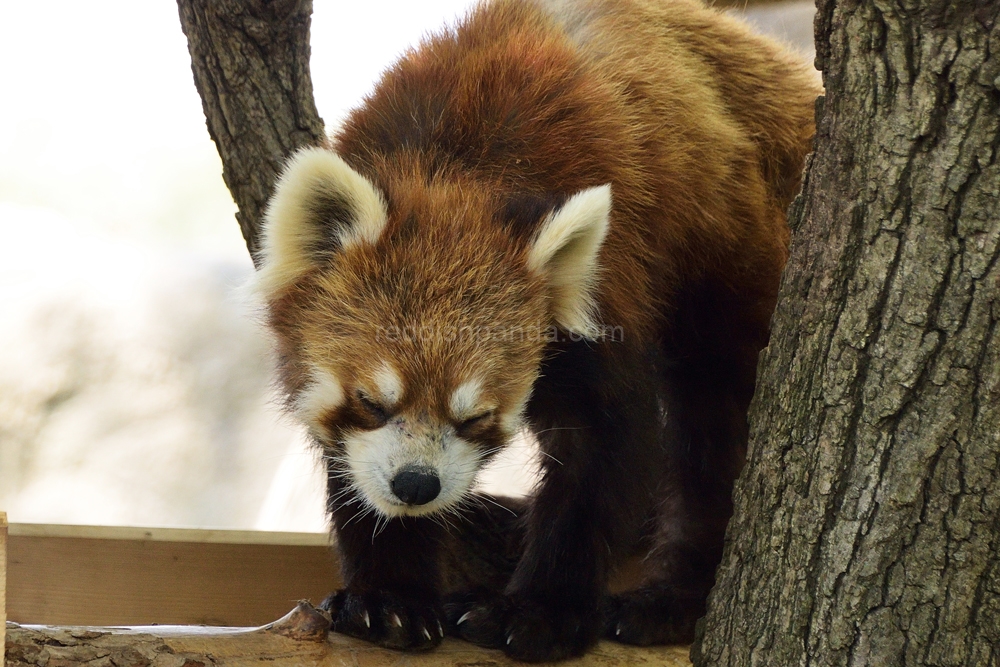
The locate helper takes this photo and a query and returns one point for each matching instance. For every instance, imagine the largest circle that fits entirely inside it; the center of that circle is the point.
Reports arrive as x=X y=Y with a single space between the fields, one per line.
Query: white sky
x=100 y=120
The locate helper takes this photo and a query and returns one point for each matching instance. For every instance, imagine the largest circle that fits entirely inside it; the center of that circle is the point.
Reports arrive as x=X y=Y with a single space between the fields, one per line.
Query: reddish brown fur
x=701 y=128
x=673 y=137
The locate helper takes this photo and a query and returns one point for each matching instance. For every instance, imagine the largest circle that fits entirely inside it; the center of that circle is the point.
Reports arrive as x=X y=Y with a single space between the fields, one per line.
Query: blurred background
x=135 y=387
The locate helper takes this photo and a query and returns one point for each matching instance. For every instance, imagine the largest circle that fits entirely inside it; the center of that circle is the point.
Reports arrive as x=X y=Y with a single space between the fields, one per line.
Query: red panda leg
x=482 y=546
x=681 y=567
x=396 y=570
x=596 y=415
x=390 y=572
x=711 y=355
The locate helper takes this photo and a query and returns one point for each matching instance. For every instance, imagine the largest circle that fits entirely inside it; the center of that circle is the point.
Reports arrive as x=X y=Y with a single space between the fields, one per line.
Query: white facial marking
x=375 y=457
x=464 y=402
x=390 y=385
x=323 y=392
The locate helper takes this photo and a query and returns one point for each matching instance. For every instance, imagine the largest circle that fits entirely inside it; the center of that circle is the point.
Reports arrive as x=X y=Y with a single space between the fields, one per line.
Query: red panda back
x=518 y=103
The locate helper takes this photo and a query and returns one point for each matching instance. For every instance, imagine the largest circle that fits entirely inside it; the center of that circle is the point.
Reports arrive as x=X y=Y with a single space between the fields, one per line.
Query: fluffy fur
x=565 y=254
x=561 y=215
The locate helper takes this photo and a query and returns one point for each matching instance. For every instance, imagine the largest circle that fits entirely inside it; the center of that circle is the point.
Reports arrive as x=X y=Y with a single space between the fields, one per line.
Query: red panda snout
x=409 y=467
x=403 y=448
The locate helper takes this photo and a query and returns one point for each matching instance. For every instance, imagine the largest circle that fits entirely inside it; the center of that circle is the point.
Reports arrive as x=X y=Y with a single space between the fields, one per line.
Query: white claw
x=427 y=634
x=368 y=621
x=396 y=622
x=440 y=630
x=618 y=630
x=510 y=639
x=464 y=618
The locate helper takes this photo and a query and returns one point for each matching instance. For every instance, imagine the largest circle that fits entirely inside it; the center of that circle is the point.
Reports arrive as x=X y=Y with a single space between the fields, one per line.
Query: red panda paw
x=523 y=628
x=386 y=619
x=652 y=615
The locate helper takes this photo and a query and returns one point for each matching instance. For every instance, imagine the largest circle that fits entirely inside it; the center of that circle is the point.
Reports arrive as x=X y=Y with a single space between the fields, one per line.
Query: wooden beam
x=79 y=577
x=300 y=638
x=744 y=4
x=3 y=585
x=85 y=575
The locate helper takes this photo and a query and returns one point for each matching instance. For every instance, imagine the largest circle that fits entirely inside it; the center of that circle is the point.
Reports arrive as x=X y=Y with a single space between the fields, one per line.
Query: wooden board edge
x=300 y=637
x=740 y=5
x=154 y=534
x=3 y=585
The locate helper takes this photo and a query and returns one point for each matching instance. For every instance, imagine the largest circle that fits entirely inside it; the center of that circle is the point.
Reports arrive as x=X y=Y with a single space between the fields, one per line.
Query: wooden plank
x=193 y=535
x=744 y=4
x=298 y=639
x=136 y=576
x=3 y=585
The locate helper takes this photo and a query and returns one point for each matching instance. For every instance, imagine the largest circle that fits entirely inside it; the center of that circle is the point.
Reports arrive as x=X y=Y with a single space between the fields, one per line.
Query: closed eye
x=376 y=410
x=471 y=422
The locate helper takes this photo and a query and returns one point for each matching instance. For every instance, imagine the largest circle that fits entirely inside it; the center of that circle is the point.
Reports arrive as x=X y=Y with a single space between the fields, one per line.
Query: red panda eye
x=376 y=410
x=474 y=421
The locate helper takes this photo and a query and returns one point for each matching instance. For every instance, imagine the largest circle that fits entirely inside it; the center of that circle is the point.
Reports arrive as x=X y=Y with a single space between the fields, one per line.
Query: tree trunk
x=867 y=521
x=250 y=60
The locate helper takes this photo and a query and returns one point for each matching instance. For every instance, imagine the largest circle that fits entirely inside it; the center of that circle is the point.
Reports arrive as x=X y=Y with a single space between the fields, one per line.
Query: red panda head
x=411 y=334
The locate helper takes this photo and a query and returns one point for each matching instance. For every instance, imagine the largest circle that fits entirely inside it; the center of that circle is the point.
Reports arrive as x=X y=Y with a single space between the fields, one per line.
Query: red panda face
x=412 y=336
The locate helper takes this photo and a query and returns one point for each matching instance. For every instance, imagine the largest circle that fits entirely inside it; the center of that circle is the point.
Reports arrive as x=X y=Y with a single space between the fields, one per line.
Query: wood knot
x=304 y=622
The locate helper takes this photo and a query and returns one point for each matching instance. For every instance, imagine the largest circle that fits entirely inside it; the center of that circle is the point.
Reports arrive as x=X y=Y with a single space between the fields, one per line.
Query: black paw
x=386 y=619
x=651 y=616
x=522 y=628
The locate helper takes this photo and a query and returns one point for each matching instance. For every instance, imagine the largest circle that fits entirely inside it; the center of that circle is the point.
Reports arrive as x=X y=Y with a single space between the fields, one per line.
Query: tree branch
x=250 y=60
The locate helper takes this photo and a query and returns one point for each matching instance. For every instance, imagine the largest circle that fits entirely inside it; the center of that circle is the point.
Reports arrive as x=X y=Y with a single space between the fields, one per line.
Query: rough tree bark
x=867 y=524
x=250 y=60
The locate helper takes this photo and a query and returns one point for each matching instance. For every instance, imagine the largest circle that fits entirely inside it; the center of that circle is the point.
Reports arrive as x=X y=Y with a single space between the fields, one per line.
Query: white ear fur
x=565 y=251
x=302 y=225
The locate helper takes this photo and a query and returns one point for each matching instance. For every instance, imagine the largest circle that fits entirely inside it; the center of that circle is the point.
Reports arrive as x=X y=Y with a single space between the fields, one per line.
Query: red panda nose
x=415 y=486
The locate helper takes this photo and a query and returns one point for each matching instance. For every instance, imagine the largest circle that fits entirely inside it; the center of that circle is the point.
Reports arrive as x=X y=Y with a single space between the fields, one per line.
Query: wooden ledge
x=77 y=593
x=300 y=638
x=114 y=576
x=3 y=585
x=144 y=534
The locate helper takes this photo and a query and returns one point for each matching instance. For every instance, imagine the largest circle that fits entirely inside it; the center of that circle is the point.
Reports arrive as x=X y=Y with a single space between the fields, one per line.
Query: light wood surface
x=3 y=585
x=79 y=577
x=193 y=535
x=287 y=643
x=743 y=4
x=84 y=575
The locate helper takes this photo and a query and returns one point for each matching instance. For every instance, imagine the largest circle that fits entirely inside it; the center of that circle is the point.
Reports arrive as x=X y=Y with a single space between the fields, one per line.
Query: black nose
x=416 y=487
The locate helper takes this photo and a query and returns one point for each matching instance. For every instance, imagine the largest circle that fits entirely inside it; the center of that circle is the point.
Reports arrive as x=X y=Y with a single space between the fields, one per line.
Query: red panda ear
x=565 y=251
x=320 y=206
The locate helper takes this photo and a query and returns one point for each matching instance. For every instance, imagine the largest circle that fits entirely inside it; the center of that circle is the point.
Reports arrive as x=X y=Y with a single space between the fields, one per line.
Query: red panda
x=562 y=216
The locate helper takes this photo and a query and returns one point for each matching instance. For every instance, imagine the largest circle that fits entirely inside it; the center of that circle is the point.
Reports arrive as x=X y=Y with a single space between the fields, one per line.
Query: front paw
x=525 y=629
x=386 y=619
x=652 y=615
